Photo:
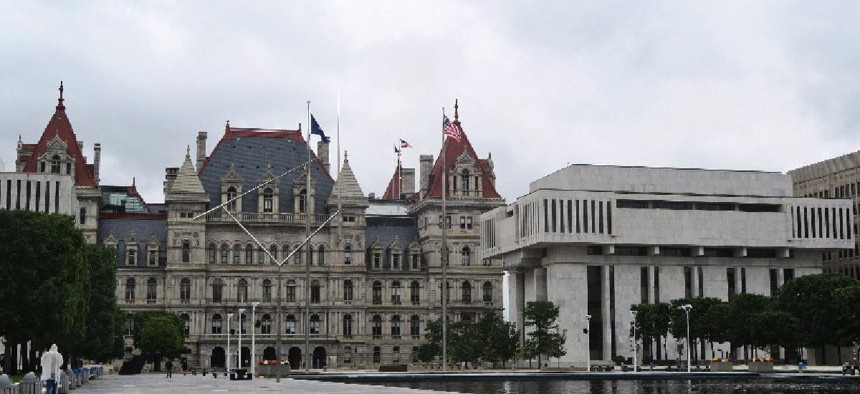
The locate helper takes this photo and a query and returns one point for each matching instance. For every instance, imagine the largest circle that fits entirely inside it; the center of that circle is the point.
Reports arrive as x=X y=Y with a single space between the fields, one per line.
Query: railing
x=259 y=217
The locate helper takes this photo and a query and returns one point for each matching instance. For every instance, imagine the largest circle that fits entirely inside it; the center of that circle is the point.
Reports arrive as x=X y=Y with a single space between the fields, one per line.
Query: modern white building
x=597 y=239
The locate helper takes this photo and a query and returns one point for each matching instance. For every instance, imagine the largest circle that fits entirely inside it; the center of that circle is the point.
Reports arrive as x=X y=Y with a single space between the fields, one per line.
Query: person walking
x=51 y=362
x=169 y=367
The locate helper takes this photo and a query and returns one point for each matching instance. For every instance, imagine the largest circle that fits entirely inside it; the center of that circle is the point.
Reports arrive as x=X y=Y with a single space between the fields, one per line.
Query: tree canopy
x=545 y=338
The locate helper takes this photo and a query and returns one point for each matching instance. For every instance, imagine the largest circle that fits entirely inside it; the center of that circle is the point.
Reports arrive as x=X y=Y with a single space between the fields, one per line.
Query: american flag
x=404 y=144
x=451 y=129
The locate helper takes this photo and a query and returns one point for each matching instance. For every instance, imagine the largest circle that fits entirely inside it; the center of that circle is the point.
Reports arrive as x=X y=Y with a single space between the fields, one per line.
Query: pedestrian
x=169 y=367
x=51 y=362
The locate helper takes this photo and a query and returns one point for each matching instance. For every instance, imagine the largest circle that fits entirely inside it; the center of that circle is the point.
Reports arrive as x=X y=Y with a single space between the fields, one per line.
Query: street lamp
x=241 y=313
x=229 y=355
x=588 y=343
x=686 y=308
x=253 y=339
x=635 y=345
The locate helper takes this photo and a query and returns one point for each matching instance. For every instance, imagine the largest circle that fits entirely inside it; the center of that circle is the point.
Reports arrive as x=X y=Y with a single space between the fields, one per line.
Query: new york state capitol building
x=593 y=239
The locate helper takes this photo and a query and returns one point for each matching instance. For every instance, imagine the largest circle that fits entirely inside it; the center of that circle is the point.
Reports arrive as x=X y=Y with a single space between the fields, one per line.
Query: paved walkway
x=157 y=383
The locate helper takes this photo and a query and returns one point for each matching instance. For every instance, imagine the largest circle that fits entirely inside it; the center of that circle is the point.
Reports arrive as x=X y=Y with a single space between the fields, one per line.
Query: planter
x=722 y=367
x=272 y=370
x=761 y=366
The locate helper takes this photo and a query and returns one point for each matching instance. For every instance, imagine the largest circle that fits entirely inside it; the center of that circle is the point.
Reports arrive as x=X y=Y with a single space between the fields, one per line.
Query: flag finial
x=456 y=113
x=60 y=100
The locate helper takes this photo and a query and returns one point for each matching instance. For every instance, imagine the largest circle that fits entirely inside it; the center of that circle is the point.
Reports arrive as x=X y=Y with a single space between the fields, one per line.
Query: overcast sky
x=747 y=85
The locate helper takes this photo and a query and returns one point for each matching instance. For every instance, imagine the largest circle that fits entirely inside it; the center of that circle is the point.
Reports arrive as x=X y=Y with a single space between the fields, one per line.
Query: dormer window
x=268 y=200
x=55 y=164
x=231 y=194
x=131 y=254
x=303 y=194
x=464 y=179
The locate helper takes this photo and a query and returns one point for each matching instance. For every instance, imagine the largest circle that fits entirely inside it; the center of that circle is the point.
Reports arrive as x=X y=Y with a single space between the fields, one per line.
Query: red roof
x=452 y=149
x=60 y=126
x=392 y=192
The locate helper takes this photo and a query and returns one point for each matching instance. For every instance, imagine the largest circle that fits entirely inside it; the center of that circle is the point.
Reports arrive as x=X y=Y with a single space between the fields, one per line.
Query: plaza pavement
x=179 y=384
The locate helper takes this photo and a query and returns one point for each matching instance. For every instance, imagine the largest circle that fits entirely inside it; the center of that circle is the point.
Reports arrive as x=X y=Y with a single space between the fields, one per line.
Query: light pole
x=229 y=355
x=241 y=313
x=253 y=338
x=587 y=343
x=635 y=345
x=686 y=308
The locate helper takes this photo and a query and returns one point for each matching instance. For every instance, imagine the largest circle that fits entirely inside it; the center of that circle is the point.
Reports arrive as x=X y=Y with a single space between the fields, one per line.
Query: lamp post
x=686 y=308
x=588 y=343
x=253 y=339
x=241 y=313
x=635 y=345
x=229 y=355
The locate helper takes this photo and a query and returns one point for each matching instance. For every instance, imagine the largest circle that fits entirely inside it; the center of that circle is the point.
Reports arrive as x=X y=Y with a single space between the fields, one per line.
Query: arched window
x=298 y=256
x=347 y=290
x=237 y=253
x=395 y=327
x=291 y=291
x=249 y=254
x=186 y=251
x=415 y=327
x=129 y=290
x=55 y=164
x=415 y=292
x=261 y=255
x=267 y=290
x=347 y=254
x=285 y=251
x=315 y=291
x=321 y=255
x=315 y=324
x=185 y=290
x=466 y=292
x=242 y=291
x=488 y=292
x=291 y=324
x=217 y=290
x=151 y=290
x=377 y=292
x=213 y=253
x=268 y=198
x=231 y=194
x=347 y=325
x=225 y=250
x=395 y=292
x=376 y=327
x=266 y=324
x=465 y=256
x=216 y=324
x=186 y=324
x=273 y=249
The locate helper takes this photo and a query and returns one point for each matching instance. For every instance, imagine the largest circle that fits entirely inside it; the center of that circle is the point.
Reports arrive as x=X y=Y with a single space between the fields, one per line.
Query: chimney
x=169 y=176
x=322 y=154
x=80 y=146
x=407 y=181
x=97 y=159
x=201 y=149
x=426 y=163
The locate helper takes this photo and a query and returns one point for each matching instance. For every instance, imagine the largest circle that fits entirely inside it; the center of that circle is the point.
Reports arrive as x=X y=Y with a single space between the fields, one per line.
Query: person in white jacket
x=51 y=362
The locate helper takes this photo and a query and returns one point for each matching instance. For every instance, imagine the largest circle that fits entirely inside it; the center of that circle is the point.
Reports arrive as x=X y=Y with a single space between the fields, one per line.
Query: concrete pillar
x=607 y=315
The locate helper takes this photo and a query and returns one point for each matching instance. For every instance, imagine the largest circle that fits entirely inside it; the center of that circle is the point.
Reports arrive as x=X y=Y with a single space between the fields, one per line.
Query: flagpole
x=339 y=192
x=444 y=254
x=308 y=248
x=399 y=186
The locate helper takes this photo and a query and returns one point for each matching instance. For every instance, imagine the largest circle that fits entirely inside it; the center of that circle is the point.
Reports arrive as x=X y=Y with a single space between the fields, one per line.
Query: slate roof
x=392 y=192
x=61 y=127
x=249 y=152
x=186 y=184
x=347 y=182
x=384 y=230
x=452 y=149
x=142 y=227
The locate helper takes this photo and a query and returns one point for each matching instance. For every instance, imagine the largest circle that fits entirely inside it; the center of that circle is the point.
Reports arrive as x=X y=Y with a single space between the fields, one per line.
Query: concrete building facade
x=596 y=240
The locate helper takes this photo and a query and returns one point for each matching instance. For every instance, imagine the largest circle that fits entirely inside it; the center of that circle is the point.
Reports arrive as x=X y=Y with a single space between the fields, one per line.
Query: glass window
x=266 y=324
x=186 y=251
x=231 y=195
x=377 y=293
x=268 y=198
x=185 y=290
x=129 y=289
x=216 y=324
x=315 y=324
x=415 y=327
x=151 y=288
x=267 y=290
x=291 y=291
x=315 y=292
x=347 y=325
x=376 y=327
x=395 y=327
x=291 y=324
x=224 y=253
x=249 y=254
x=217 y=290
x=465 y=256
x=347 y=290
x=395 y=292
x=488 y=292
x=347 y=254
x=415 y=292
x=466 y=292
x=213 y=253
x=242 y=291
x=237 y=252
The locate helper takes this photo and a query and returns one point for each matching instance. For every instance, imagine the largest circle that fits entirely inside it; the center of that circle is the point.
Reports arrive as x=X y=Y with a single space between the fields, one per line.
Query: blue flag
x=316 y=129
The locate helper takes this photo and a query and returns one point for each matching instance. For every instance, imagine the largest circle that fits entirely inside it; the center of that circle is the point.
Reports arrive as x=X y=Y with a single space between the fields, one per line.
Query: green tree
x=465 y=343
x=544 y=338
x=161 y=334
x=500 y=338
x=104 y=320
x=433 y=348
x=141 y=320
x=743 y=313
x=848 y=312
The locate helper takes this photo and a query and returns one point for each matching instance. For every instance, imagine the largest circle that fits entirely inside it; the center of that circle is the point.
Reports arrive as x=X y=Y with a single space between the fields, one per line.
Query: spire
x=456 y=112
x=347 y=187
x=188 y=152
x=61 y=99
x=187 y=186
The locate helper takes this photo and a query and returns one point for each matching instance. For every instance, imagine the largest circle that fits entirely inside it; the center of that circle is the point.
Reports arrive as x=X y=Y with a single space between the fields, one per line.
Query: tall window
x=217 y=290
x=415 y=261
x=237 y=253
x=213 y=253
x=347 y=290
x=231 y=194
x=131 y=255
x=395 y=292
x=315 y=324
x=395 y=327
x=268 y=198
x=151 y=288
x=298 y=256
x=415 y=327
x=129 y=290
x=303 y=198
x=291 y=291
x=347 y=325
x=377 y=354
x=249 y=254
x=225 y=250
x=347 y=254
x=395 y=261
x=55 y=164
x=464 y=181
x=415 y=292
x=185 y=290
x=310 y=254
x=153 y=256
x=186 y=251
x=465 y=256
x=242 y=291
x=488 y=292
x=321 y=255
x=377 y=293
x=267 y=290
x=291 y=324
x=466 y=292
x=273 y=249
x=216 y=324
x=377 y=260
x=376 y=328
x=186 y=324
x=315 y=292
x=266 y=324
